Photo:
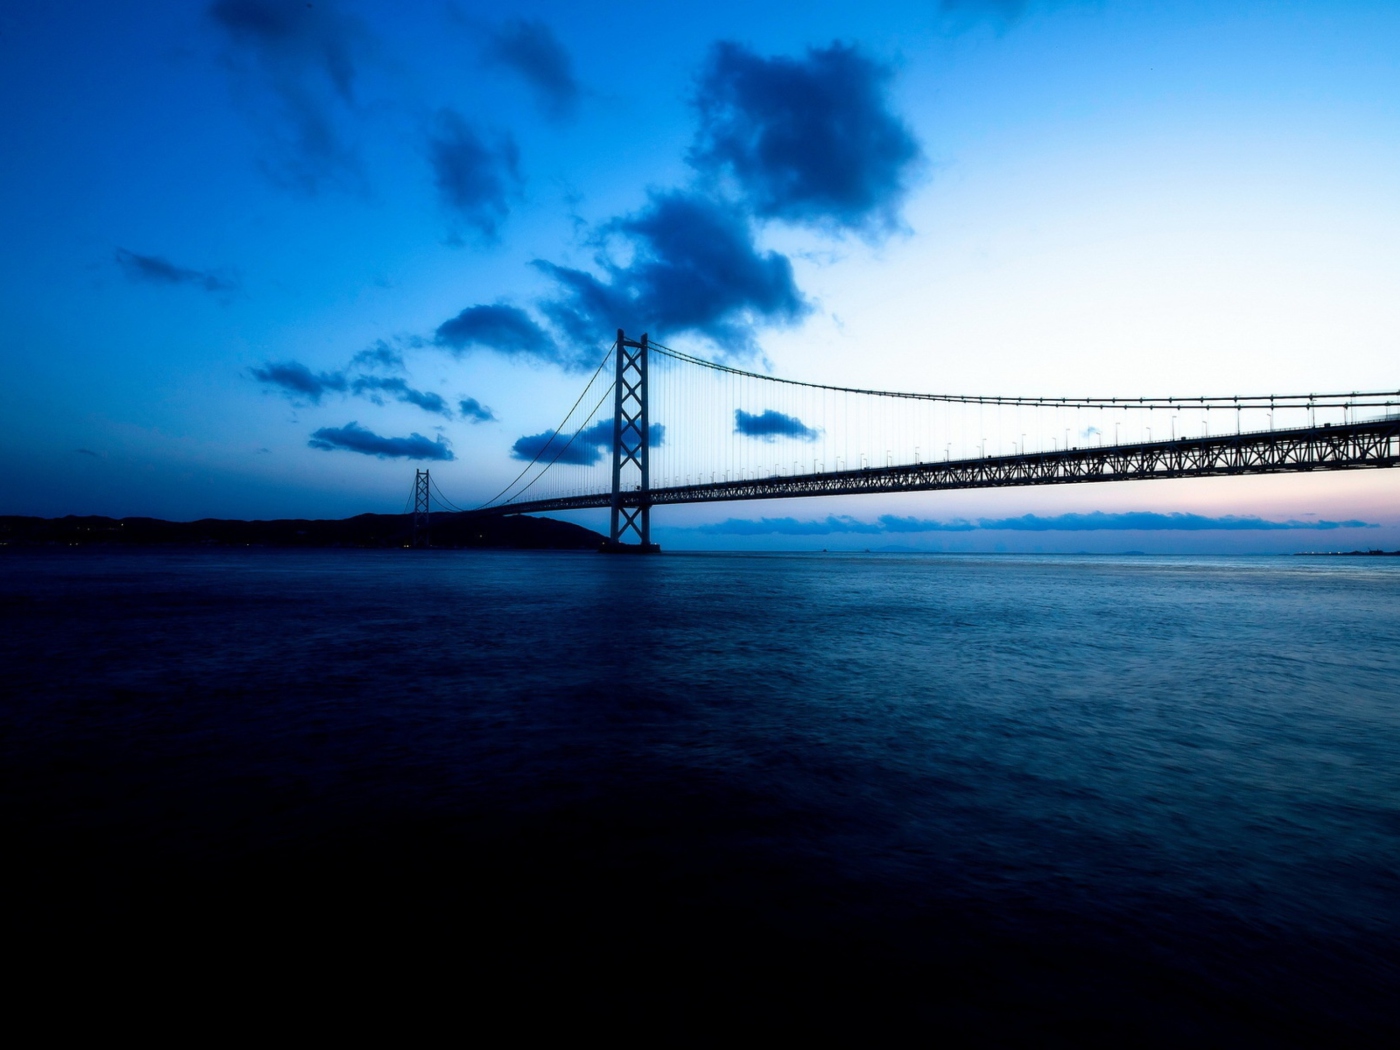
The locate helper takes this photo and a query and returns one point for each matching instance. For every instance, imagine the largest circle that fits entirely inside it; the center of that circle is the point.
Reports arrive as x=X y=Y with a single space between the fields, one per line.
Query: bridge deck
x=1352 y=446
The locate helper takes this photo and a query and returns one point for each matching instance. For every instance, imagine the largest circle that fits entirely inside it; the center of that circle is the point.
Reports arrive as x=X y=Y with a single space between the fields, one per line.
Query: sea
x=1003 y=799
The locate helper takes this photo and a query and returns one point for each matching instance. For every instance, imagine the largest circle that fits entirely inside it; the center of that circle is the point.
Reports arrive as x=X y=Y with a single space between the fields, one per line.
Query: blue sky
x=261 y=259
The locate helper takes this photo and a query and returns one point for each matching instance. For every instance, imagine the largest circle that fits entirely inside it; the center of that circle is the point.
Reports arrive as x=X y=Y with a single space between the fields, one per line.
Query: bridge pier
x=631 y=469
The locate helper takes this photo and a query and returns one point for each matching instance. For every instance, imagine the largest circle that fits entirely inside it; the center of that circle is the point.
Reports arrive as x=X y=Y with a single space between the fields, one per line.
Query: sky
x=266 y=258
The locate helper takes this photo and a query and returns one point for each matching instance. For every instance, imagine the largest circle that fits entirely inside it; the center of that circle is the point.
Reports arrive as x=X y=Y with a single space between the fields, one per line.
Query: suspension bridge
x=655 y=426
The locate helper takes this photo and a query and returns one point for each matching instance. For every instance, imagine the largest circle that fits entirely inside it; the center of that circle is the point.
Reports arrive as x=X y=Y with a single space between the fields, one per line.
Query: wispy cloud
x=475 y=412
x=965 y=13
x=531 y=49
x=354 y=438
x=297 y=381
x=380 y=355
x=477 y=175
x=374 y=386
x=155 y=269
x=300 y=383
x=307 y=55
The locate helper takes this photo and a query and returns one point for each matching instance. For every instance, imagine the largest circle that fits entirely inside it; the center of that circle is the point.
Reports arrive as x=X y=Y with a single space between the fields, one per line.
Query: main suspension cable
x=566 y=445
x=441 y=497
x=601 y=364
x=1362 y=399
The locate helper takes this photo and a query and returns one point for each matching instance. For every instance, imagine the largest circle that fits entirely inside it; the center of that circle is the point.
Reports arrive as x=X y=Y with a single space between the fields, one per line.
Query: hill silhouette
x=364 y=530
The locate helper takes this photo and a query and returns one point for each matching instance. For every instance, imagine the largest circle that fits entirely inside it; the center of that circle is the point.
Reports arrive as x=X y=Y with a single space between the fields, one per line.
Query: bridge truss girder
x=1352 y=446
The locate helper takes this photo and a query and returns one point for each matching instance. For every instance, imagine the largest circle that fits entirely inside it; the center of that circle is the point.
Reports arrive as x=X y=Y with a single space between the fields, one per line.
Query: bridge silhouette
x=719 y=433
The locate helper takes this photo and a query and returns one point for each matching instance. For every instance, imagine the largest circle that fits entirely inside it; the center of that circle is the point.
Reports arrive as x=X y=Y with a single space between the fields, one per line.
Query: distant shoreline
x=1347 y=554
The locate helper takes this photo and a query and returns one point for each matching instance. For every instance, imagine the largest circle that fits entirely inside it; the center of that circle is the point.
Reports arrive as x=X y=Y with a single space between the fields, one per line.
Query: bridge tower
x=422 y=508
x=631 y=468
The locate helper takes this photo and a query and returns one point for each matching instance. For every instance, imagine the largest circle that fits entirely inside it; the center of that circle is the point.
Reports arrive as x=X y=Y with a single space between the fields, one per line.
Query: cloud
x=770 y=425
x=963 y=13
x=475 y=411
x=476 y=179
x=544 y=446
x=372 y=386
x=88 y=452
x=808 y=140
x=787 y=527
x=354 y=438
x=380 y=355
x=296 y=379
x=1097 y=520
x=506 y=329
x=587 y=447
x=694 y=267
x=307 y=54
x=153 y=269
x=531 y=49
x=1147 y=521
x=892 y=523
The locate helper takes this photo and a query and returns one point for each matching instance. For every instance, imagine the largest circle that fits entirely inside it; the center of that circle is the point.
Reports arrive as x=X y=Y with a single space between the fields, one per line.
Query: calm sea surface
x=1045 y=797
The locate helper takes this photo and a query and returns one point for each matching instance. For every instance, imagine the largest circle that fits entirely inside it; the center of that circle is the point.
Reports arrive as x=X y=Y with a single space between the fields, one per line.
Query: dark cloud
x=354 y=438
x=380 y=355
x=476 y=179
x=694 y=267
x=307 y=53
x=807 y=140
x=87 y=452
x=373 y=386
x=475 y=411
x=296 y=380
x=601 y=433
x=588 y=446
x=1142 y=521
x=770 y=425
x=545 y=446
x=153 y=269
x=506 y=329
x=531 y=49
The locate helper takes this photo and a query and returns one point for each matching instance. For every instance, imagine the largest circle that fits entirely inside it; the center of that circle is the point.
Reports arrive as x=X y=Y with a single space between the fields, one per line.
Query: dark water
x=1034 y=799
